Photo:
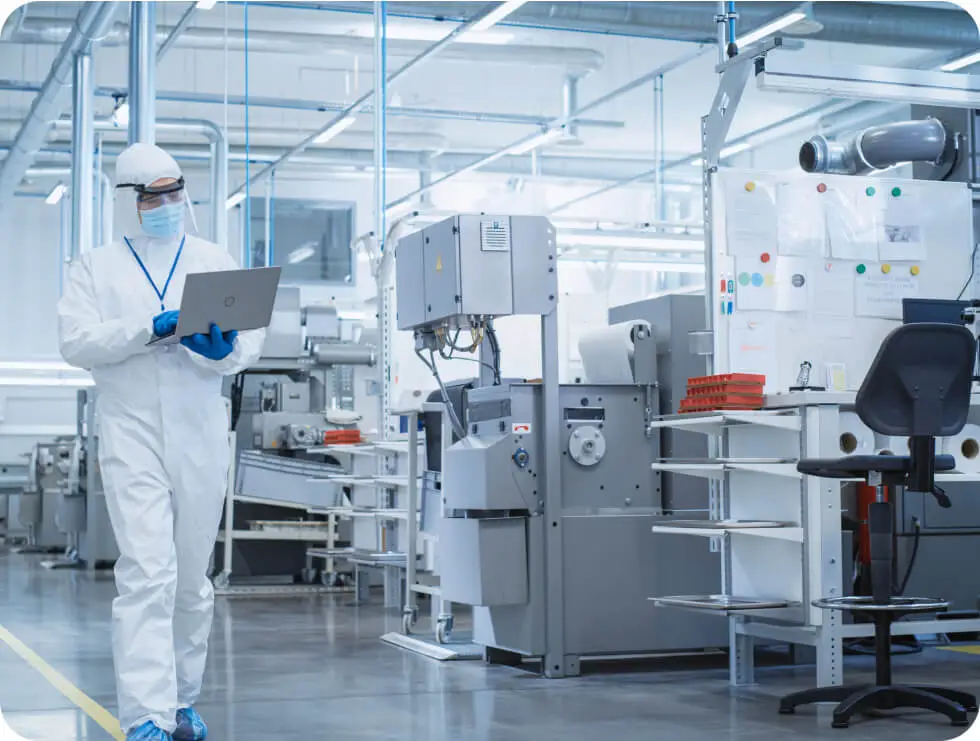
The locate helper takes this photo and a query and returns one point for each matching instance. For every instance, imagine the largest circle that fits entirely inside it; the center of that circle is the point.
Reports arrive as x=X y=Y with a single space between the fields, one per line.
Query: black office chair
x=918 y=387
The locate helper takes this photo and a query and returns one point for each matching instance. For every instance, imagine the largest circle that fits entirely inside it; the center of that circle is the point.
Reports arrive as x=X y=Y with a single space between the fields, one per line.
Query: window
x=310 y=240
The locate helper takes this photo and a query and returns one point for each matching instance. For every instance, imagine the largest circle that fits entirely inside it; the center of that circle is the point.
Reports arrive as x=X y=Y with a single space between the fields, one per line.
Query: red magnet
x=822 y=188
x=765 y=257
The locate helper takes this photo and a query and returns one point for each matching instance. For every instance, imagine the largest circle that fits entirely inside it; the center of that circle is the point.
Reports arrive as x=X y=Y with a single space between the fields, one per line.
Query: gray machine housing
x=475 y=265
x=493 y=537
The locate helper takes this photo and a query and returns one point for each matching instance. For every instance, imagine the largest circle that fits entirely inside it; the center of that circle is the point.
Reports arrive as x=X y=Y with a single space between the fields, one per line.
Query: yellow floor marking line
x=87 y=705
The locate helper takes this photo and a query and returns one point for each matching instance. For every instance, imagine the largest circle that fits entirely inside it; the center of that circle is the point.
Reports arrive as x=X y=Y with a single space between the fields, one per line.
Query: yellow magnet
x=886 y=268
x=750 y=186
x=914 y=270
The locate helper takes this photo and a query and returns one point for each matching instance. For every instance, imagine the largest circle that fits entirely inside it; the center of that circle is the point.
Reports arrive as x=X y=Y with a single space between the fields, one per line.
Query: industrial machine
x=63 y=504
x=300 y=395
x=548 y=495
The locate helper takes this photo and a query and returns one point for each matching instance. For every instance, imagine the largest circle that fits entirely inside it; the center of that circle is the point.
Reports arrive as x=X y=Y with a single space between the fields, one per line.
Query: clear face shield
x=155 y=210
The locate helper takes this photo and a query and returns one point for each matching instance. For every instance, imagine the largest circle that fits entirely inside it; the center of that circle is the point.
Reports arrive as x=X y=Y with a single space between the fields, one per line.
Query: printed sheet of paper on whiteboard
x=901 y=227
x=779 y=285
x=880 y=294
x=851 y=228
x=801 y=227
x=750 y=218
x=752 y=347
x=832 y=289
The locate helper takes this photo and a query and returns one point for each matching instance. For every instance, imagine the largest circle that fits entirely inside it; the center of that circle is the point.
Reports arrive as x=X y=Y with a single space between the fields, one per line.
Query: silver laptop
x=232 y=299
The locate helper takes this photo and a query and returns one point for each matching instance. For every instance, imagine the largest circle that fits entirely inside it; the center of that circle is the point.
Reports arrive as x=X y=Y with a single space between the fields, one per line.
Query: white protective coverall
x=164 y=449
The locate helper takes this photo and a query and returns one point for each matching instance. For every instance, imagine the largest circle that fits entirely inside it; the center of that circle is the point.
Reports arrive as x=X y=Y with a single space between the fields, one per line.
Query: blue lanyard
x=160 y=295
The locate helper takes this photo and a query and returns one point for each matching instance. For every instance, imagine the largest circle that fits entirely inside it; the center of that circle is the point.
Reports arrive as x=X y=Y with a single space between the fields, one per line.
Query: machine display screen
x=584 y=414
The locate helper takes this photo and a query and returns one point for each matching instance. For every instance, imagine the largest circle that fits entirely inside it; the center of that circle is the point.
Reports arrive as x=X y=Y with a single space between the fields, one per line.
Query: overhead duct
x=877 y=148
x=92 y=21
x=576 y=61
x=852 y=22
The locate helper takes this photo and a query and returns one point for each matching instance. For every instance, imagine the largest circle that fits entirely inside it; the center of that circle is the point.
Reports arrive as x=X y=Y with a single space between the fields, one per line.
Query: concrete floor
x=313 y=668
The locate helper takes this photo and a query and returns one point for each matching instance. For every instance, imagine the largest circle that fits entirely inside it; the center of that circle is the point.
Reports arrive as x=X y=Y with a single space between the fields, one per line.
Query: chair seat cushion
x=858 y=466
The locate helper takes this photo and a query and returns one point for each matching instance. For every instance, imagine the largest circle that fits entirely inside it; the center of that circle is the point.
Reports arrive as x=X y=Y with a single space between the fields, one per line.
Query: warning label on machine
x=521 y=428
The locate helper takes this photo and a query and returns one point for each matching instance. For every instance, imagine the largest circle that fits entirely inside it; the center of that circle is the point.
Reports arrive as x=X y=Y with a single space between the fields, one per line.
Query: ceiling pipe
x=142 y=71
x=574 y=60
x=322 y=107
x=850 y=22
x=82 y=157
x=877 y=148
x=176 y=31
x=575 y=168
x=92 y=21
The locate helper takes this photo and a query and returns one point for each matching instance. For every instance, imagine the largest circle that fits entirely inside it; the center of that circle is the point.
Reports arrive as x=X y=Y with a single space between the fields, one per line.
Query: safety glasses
x=149 y=196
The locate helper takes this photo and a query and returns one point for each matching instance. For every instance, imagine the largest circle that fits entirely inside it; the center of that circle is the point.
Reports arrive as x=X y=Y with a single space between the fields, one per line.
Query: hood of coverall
x=142 y=164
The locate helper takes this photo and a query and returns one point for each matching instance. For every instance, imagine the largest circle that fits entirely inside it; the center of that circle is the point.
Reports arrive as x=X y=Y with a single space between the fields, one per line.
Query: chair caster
x=787 y=711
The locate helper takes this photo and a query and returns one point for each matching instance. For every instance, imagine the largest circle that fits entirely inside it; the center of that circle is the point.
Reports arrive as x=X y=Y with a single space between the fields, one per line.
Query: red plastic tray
x=744 y=389
x=753 y=378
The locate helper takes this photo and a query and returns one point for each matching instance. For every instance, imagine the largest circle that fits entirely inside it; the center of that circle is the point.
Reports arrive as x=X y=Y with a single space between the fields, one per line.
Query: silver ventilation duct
x=877 y=147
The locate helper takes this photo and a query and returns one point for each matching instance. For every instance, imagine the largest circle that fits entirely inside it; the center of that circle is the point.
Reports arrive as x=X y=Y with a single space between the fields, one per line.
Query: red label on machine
x=521 y=428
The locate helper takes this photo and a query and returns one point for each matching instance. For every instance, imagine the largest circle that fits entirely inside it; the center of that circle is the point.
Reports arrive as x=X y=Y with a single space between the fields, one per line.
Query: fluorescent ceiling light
x=341 y=125
x=784 y=21
x=56 y=194
x=206 y=4
x=534 y=142
x=641 y=266
x=234 y=199
x=961 y=62
x=120 y=114
x=496 y=15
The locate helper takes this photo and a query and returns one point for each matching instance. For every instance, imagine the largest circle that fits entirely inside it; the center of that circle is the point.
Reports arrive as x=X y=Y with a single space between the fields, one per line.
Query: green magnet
x=861 y=269
x=896 y=191
x=870 y=190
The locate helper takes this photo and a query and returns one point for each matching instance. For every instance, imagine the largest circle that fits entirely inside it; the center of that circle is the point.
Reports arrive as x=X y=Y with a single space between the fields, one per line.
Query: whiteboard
x=826 y=280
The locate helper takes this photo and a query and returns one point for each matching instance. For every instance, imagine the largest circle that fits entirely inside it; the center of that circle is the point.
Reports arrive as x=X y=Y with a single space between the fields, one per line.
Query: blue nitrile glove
x=165 y=323
x=215 y=346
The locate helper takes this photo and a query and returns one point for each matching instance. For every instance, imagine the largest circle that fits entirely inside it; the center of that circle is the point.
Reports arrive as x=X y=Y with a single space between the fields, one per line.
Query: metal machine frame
x=775 y=71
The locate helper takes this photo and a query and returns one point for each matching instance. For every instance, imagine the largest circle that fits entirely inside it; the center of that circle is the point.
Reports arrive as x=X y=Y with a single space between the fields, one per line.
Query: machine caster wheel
x=307 y=576
x=787 y=711
x=444 y=629
x=221 y=581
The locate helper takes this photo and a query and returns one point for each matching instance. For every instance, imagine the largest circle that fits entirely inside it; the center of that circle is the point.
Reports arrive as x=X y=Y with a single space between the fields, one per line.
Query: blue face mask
x=164 y=221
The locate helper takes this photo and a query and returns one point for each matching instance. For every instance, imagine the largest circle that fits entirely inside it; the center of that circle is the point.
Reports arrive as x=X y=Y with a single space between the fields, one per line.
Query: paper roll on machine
x=548 y=495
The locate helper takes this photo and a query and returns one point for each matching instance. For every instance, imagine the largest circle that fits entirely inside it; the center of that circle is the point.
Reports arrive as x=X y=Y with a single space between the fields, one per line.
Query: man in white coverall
x=163 y=445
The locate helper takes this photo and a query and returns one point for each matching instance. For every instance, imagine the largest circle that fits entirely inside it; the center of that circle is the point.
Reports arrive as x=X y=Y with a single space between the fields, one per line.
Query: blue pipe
x=248 y=178
x=732 y=46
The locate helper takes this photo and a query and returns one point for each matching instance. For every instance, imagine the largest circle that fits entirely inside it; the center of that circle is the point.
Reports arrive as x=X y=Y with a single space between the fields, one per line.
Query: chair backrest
x=919 y=382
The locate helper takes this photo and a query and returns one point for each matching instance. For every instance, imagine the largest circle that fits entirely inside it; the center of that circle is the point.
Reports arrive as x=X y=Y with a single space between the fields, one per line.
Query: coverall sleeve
x=85 y=339
x=248 y=345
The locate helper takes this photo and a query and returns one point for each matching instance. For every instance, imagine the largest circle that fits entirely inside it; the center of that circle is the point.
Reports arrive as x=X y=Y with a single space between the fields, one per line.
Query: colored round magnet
x=914 y=270
x=822 y=188
x=750 y=186
x=744 y=279
x=886 y=268
x=861 y=269
x=870 y=190
x=765 y=257
x=769 y=279
x=896 y=191
x=757 y=279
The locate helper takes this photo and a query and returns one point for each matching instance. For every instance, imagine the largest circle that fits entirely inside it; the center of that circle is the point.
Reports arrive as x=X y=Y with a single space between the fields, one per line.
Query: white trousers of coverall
x=165 y=499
